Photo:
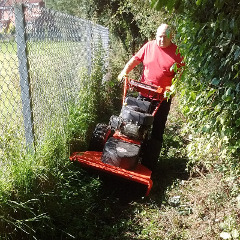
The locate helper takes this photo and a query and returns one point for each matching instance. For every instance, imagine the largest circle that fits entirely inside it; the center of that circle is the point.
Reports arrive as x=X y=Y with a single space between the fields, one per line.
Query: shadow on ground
x=167 y=172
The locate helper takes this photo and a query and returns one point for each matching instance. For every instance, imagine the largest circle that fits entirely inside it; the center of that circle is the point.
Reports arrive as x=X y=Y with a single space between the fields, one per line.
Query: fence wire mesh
x=42 y=55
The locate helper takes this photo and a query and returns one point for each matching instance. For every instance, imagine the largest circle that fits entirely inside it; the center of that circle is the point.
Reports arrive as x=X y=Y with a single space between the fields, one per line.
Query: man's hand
x=132 y=63
x=122 y=75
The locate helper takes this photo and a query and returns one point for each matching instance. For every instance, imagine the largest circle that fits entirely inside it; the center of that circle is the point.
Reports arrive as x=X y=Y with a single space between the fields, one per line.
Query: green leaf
x=174 y=67
x=153 y=3
x=226 y=98
x=238 y=88
x=236 y=54
x=232 y=23
x=237 y=122
x=206 y=128
x=215 y=81
x=193 y=96
x=228 y=92
x=211 y=92
x=219 y=4
x=170 y=4
x=157 y=4
x=198 y=2
x=217 y=108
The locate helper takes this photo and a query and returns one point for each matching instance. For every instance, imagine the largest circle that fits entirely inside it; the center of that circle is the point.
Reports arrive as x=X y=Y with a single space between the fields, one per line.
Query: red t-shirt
x=157 y=62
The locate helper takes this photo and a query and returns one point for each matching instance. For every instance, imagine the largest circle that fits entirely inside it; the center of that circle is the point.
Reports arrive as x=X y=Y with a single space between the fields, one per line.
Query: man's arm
x=132 y=63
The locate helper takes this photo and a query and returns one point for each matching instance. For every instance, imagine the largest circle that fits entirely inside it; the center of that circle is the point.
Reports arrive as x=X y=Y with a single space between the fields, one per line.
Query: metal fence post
x=24 y=76
x=89 y=47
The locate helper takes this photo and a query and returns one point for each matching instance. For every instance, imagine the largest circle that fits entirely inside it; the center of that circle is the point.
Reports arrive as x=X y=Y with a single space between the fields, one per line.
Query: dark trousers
x=160 y=120
x=152 y=148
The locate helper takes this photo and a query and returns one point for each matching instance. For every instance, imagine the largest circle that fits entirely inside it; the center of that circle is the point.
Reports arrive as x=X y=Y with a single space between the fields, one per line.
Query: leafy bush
x=208 y=38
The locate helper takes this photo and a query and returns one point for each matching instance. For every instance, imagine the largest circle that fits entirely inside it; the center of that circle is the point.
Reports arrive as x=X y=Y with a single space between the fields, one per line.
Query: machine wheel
x=99 y=137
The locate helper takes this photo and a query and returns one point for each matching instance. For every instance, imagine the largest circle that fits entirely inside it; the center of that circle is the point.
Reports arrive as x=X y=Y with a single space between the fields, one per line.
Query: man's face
x=163 y=37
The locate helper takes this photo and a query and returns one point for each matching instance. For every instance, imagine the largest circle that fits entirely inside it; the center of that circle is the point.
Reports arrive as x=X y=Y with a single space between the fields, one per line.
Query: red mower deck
x=91 y=159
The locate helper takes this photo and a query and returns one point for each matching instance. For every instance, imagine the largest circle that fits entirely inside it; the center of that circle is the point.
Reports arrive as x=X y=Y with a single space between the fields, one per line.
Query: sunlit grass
x=9 y=80
x=29 y=182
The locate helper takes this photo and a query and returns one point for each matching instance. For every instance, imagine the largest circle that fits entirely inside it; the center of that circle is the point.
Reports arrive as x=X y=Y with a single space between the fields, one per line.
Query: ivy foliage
x=208 y=34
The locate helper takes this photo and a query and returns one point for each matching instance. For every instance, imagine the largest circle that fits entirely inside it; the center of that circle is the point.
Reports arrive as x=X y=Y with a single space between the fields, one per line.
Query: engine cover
x=120 y=153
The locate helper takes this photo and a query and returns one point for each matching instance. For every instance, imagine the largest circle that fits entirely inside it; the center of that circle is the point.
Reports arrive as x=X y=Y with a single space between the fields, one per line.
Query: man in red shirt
x=158 y=57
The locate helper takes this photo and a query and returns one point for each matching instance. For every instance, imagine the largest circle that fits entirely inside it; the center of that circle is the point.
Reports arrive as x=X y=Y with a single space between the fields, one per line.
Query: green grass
x=33 y=188
x=11 y=131
x=9 y=81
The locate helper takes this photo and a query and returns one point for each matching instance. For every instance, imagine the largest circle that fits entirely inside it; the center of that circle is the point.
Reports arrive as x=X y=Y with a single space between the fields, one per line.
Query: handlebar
x=146 y=89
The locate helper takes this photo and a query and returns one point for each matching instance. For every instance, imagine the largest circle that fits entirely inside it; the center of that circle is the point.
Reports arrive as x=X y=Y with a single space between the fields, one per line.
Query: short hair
x=167 y=27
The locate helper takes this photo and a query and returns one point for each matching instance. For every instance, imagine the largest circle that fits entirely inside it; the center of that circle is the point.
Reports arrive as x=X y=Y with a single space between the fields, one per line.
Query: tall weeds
x=40 y=192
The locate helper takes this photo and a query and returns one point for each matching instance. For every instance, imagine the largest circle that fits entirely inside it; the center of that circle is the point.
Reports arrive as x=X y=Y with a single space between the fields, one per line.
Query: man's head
x=163 y=36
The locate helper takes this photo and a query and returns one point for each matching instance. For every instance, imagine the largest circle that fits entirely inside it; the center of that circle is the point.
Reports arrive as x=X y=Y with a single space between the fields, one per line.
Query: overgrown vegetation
x=34 y=186
x=208 y=37
x=210 y=43
x=196 y=188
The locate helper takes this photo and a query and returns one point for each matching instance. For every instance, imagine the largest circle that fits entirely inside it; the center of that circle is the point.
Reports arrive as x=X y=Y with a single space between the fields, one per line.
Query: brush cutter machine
x=117 y=148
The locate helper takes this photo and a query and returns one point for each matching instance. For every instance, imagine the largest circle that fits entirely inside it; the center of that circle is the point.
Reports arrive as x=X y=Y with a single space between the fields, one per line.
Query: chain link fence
x=42 y=55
